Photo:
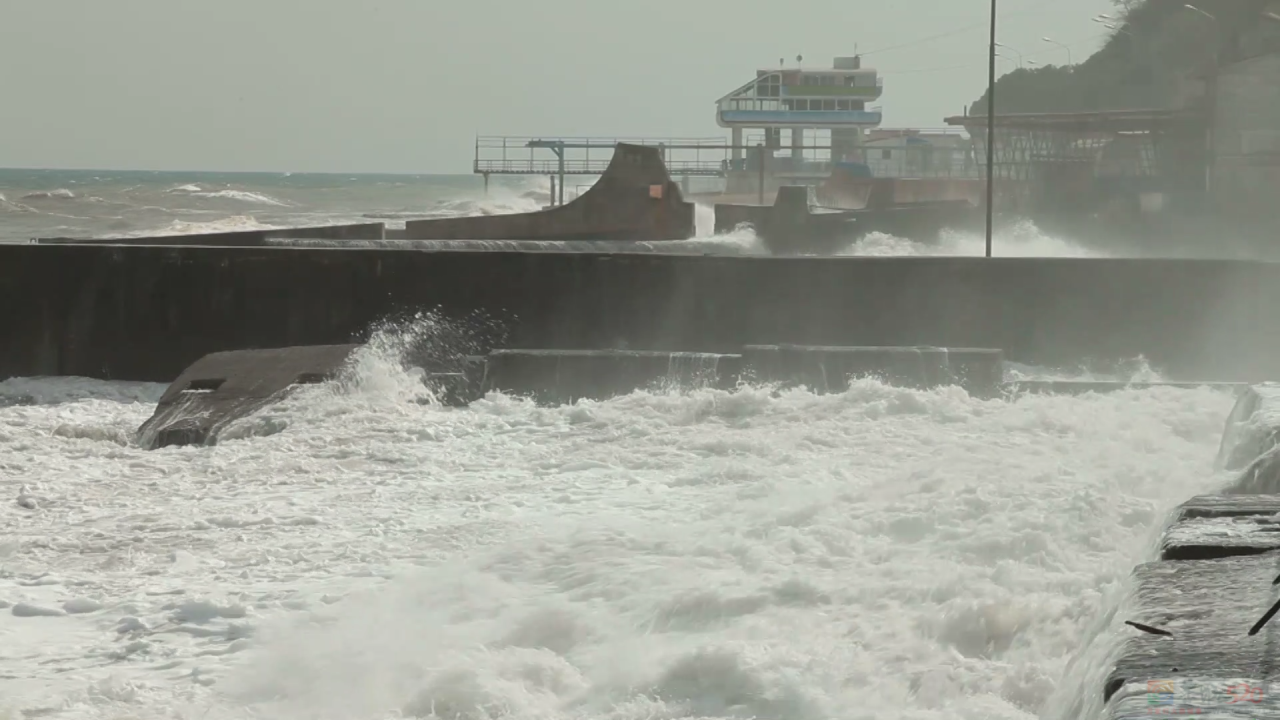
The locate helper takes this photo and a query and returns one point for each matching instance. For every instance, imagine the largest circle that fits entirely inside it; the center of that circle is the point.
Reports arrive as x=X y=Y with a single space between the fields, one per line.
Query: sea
x=121 y=204
x=362 y=552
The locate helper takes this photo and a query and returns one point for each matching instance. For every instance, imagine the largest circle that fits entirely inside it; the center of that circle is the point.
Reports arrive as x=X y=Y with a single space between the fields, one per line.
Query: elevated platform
x=635 y=199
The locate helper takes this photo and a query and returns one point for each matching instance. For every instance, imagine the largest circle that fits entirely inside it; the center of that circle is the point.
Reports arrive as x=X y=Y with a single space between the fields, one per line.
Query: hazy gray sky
x=406 y=85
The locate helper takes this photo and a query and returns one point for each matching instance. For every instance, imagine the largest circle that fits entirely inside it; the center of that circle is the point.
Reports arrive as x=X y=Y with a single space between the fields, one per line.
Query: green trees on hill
x=1155 y=58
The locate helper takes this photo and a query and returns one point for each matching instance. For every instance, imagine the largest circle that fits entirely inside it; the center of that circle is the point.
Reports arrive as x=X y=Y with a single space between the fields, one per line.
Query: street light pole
x=1051 y=41
x=1021 y=60
x=991 y=127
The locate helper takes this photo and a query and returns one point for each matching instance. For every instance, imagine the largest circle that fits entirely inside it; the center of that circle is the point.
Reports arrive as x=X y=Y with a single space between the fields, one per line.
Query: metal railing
x=530 y=155
x=593 y=166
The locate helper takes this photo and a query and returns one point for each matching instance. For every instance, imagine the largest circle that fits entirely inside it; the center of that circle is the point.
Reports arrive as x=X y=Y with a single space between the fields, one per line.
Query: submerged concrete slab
x=563 y=376
x=224 y=386
x=239 y=238
x=829 y=369
x=635 y=199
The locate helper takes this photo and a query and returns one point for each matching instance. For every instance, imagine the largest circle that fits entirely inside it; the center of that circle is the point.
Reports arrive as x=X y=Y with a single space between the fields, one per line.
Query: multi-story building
x=831 y=102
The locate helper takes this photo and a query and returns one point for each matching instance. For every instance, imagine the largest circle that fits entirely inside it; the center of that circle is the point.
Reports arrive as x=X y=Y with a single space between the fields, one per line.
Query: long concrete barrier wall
x=145 y=313
x=238 y=238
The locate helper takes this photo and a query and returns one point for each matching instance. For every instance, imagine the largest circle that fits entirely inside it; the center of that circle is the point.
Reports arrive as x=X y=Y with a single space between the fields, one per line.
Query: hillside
x=1150 y=60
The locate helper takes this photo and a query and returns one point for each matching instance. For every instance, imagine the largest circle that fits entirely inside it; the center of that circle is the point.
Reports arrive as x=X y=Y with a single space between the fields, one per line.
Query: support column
x=797 y=147
x=736 y=152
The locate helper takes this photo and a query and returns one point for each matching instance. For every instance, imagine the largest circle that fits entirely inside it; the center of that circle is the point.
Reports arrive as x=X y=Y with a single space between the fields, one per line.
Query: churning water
x=361 y=552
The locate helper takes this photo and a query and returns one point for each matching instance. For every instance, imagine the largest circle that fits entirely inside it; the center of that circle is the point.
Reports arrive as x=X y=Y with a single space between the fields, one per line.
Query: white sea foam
x=235 y=223
x=59 y=194
x=243 y=196
x=257 y=198
x=1023 y=239
x=366 y=553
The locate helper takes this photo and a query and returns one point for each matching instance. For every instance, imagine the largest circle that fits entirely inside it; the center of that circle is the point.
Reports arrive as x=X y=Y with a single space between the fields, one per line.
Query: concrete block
x=1208 y=609
x=829 y=369
x=1223 y=526
x=563 y=376
x=224 y=386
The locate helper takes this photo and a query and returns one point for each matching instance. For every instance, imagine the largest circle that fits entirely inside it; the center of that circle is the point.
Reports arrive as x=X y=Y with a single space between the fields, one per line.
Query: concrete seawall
x=239 y=238
x=146 y=313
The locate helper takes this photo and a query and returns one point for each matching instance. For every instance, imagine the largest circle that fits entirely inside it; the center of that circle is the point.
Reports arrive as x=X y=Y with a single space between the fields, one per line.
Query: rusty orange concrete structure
x=635 y=199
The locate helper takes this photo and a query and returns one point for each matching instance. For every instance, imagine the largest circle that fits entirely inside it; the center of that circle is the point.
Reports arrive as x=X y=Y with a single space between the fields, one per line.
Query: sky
x=405 y=86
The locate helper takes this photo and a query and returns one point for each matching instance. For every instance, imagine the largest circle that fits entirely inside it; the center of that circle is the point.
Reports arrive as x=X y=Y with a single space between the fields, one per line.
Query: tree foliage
x=1154 y=59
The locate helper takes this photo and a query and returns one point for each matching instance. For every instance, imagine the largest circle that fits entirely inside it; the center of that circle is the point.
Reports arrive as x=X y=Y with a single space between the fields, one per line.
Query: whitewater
x=360 y=551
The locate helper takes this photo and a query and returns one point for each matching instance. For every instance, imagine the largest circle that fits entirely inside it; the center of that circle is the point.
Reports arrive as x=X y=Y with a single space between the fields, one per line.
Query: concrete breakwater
x=1204 y=640
x=223 y=387
x=226 y=386
x=239 y=238
x=146 y=313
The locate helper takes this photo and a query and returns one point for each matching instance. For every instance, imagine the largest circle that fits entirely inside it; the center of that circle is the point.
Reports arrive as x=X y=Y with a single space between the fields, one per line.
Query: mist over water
x=359 y=551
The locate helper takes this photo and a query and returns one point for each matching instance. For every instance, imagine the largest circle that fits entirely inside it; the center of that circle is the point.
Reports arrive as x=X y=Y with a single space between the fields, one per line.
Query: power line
x=956 y=31
x=945 y=68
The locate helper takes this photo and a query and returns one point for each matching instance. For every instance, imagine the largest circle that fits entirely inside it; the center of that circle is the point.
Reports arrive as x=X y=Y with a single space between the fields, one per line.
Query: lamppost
x=1021 y=62
x=1051 y=41
x=1210 y=142
x=991 y=126
x=1196 y=9
x=1111 y=26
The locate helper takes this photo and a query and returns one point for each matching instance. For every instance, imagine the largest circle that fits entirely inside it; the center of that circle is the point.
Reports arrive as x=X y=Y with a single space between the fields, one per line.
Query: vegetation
x=1153 y=58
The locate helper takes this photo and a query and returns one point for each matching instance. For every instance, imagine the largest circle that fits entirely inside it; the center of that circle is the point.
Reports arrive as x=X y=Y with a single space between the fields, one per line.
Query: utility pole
x=991 y=128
